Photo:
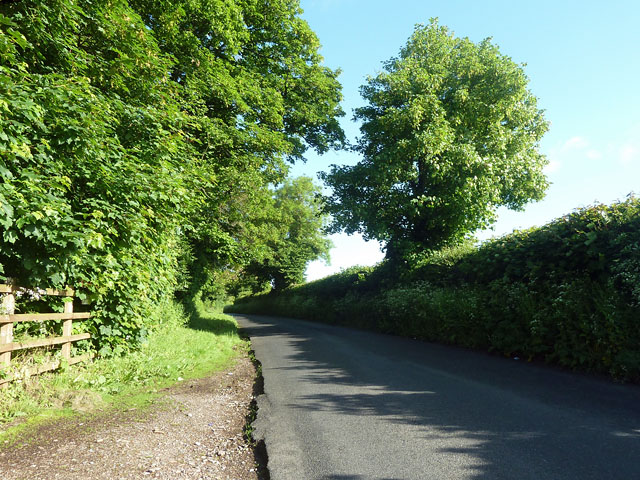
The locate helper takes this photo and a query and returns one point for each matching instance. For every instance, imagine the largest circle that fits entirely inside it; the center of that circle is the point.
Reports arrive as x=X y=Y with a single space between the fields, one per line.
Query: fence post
x=67 y=330
x=6 y=329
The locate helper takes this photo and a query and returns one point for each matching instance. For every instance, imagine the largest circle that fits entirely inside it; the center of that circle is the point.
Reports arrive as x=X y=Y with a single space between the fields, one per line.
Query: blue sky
x=583 y=61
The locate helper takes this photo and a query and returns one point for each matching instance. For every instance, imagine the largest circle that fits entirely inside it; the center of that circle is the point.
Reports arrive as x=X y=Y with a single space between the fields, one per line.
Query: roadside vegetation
x=180 y=348
x=145 y=147
x=144 y=157
x=565 y=293
x=450 y=132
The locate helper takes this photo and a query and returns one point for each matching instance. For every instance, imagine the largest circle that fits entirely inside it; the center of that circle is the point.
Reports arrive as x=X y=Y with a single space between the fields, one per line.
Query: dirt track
x=193 y=431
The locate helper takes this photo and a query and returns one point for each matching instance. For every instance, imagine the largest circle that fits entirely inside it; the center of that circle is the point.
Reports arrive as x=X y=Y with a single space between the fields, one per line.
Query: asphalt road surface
x=343 y=404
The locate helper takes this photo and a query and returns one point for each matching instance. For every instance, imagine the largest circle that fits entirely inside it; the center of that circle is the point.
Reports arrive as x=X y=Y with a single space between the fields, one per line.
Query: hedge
x=567 y=293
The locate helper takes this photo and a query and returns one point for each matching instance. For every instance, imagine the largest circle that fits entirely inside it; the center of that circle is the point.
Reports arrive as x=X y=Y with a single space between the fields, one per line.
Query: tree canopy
x=449 y=133
x=298 y=237
x=139 y=140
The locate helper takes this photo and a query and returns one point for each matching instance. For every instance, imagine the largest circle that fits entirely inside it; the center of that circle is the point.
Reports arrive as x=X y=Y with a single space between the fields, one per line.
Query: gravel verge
x=194 y=430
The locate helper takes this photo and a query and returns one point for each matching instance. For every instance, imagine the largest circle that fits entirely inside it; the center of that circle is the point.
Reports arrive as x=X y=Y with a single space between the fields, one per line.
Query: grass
x=179 y=349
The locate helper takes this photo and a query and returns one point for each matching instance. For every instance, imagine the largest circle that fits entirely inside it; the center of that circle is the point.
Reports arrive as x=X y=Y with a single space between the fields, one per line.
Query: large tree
x=252 y=81
x=450 y=133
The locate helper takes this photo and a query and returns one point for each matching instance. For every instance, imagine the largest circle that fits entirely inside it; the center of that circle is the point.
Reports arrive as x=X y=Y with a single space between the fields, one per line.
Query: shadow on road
x=508 y=419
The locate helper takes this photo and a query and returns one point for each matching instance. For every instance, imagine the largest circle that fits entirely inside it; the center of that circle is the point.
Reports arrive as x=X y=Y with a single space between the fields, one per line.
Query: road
x=343 y=404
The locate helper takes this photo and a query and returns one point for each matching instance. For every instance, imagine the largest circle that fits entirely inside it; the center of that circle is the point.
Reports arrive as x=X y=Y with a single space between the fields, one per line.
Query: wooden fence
x=8 y=318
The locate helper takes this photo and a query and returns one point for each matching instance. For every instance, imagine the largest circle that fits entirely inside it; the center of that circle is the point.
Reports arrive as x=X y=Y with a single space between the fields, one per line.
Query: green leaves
x=296 y=239
x=450 y=133
x=139 y=140
x=74 y=183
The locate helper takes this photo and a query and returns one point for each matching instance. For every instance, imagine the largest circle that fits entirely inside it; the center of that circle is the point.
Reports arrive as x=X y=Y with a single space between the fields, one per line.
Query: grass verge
x=180 y=348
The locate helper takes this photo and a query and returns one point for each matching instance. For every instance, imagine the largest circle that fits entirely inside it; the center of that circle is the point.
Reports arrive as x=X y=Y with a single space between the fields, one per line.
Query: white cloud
x=625 y=150
x=629 y=152
x=593 y=154
x=349 y=250
x=573 y=149
x=575 y=143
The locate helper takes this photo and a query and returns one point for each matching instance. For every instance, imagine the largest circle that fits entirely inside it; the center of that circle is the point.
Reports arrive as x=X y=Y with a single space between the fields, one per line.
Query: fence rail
x=8 y=318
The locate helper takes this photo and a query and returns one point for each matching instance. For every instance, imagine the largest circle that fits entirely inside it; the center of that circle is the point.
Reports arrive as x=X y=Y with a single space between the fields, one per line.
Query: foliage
x=79 y=145
x=298 y=239
x=450 y=132
x=565 y=293
x=282 y=236
x=258 y=95
x=138 y=140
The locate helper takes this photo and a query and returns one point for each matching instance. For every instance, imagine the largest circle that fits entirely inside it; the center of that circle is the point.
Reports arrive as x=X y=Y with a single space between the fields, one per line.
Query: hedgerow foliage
x=85 y=129
x=566 y=293
x=139 y=138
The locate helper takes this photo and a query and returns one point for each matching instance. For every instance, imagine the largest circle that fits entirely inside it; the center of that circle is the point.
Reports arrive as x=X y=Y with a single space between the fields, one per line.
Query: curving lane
x=344 y=404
